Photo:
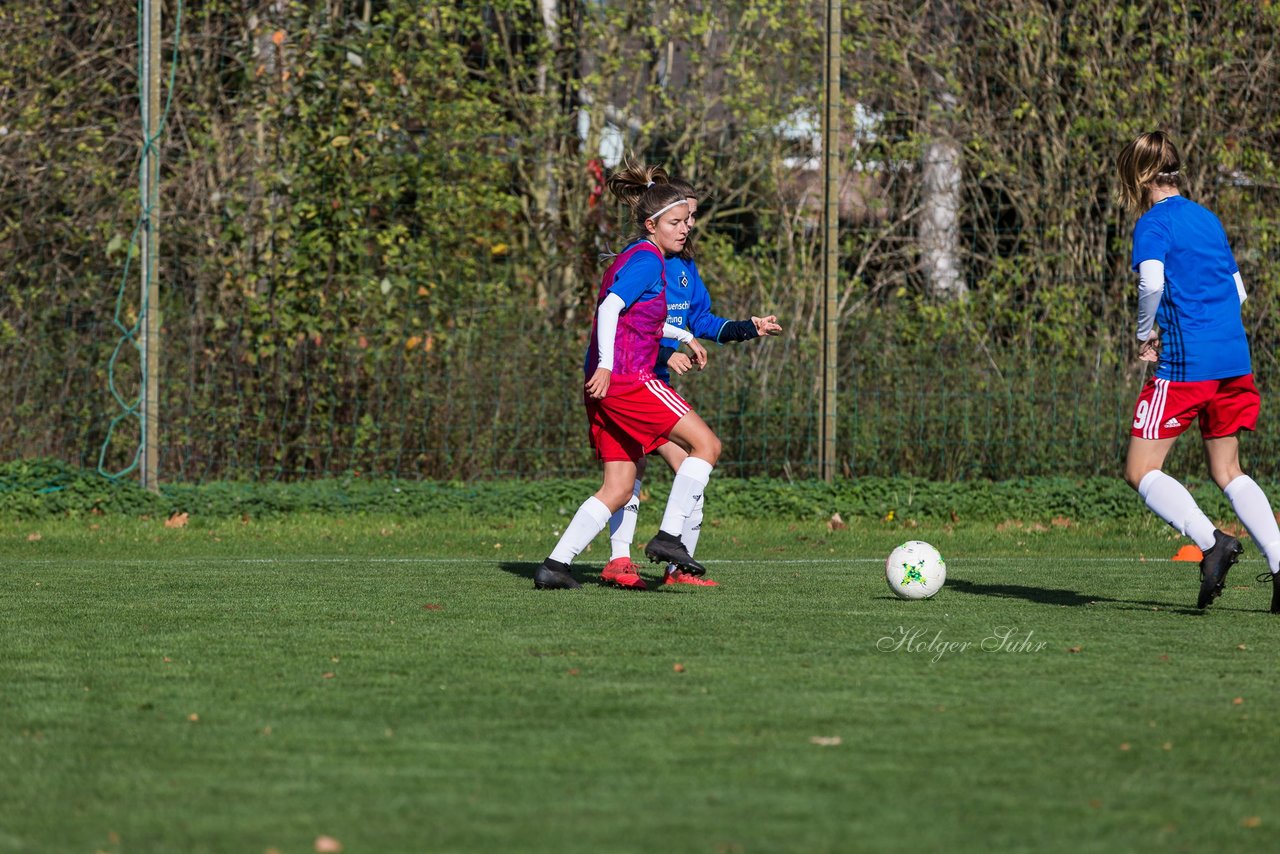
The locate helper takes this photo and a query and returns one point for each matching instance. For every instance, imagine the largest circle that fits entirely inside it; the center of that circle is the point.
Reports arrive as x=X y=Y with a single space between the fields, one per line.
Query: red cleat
x=682 y=577
x=621 y=572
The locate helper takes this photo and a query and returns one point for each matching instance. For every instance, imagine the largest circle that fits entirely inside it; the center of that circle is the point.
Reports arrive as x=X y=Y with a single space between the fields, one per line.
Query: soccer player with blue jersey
x=689 y=304
x=688 y=308
x=1189 y=298
x=629 y=411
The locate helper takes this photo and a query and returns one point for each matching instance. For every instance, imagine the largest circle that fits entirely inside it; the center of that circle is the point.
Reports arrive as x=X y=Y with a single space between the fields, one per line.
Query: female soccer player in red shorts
x=688 y=307
x=1190 y=291
x=629 y=410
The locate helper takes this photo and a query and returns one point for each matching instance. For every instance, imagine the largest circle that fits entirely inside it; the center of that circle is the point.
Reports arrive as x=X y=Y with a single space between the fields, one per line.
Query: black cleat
x=1213 y=567
x=554 y=575
x=1273 y=579
x=664 y=548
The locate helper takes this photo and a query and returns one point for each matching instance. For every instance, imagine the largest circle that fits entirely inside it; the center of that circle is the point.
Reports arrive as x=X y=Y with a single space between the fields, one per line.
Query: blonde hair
x=1151 y=160
x=644 y=189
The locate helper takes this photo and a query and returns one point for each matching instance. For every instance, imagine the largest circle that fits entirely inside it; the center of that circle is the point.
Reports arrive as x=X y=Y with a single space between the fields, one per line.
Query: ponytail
x=647 y=190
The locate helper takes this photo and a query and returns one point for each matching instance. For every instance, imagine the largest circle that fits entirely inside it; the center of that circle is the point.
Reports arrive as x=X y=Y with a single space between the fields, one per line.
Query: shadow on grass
x=1042 y=595
x=523 y=568
x=585 y=575
x=1055 y=596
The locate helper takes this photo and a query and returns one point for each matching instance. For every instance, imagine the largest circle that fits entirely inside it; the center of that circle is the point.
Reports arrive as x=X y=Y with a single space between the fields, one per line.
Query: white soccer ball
x=915 y=570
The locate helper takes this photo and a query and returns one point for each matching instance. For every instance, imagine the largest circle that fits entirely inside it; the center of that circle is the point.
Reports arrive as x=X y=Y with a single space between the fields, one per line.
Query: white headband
x=667 y=208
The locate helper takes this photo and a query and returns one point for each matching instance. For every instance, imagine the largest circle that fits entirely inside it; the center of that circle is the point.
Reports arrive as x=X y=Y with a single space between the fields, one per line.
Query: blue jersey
x=689 y=307
x=1201 y=334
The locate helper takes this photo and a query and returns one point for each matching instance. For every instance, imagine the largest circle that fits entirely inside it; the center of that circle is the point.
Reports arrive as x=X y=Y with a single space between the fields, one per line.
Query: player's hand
x=699 y=354
x=679 y=364
x=598 y=385
x=766 y=326
x=1149 y=350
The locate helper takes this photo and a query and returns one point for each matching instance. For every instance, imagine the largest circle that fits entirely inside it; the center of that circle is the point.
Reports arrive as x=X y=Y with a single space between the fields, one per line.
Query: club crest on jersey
x=684 y=279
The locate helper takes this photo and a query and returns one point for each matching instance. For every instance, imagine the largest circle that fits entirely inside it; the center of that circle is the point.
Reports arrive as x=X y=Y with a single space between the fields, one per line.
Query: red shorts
x=629 y=425
x=1166 y=409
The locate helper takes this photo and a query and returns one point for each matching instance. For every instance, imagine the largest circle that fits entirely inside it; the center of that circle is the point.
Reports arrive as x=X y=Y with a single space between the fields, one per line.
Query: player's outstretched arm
x=766 y=326
x=744 y=330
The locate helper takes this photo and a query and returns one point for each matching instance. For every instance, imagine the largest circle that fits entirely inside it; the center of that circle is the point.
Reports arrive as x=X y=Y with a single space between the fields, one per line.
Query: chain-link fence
x=381 y=224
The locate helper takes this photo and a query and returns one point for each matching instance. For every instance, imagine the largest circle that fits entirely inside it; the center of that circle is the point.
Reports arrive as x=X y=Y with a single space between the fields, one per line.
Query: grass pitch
x=397 y=685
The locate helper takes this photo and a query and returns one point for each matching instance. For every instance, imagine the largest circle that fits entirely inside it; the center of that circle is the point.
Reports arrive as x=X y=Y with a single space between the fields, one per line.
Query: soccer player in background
x=629 y=411
x=688 y=307
x=1189 y=298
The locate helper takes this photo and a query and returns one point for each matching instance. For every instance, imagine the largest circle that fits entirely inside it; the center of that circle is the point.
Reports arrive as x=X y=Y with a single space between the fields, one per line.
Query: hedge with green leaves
x=46 y=488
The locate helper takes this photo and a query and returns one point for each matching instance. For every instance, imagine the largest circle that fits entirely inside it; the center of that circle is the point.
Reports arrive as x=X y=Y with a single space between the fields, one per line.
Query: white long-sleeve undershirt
x=684 y=336
x=607 y=329
x=1151 y=289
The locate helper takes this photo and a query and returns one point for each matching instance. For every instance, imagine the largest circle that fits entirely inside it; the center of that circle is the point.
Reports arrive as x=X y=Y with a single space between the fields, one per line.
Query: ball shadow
x=1053 y=596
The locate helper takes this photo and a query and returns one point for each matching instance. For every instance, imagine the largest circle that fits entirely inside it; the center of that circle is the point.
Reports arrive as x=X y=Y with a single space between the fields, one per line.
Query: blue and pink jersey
x=638 y=277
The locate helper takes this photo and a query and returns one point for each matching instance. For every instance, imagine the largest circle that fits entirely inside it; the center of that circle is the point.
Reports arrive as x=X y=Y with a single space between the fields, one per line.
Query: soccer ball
x=915 y=570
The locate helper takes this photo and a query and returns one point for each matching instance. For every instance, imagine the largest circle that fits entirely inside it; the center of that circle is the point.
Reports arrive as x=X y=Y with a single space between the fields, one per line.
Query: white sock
x=590 y=520
x=1254 y=510
x=686 y=491
x=622 y=525
x=1170 y=500
x=692 y=530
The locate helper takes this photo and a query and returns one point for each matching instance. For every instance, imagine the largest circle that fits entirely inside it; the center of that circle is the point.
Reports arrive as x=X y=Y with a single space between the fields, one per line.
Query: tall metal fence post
x=150 y=245
x=830 y=236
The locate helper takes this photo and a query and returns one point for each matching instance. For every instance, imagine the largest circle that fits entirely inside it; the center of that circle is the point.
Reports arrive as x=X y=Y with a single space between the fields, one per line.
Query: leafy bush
x=382 y=224
x=42 y=488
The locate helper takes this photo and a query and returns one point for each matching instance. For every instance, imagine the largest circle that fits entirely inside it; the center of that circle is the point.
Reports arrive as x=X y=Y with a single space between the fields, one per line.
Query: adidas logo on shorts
x=1171 y=423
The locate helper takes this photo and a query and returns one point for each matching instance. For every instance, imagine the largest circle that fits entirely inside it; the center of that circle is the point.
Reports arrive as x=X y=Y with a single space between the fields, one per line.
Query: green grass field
x=397 y=685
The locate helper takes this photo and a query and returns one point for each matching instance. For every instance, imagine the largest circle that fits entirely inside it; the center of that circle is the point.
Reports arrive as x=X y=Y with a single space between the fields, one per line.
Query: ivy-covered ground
x=391 y=682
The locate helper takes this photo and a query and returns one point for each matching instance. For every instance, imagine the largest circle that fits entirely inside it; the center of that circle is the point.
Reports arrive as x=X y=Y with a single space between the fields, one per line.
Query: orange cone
x=1191 y=553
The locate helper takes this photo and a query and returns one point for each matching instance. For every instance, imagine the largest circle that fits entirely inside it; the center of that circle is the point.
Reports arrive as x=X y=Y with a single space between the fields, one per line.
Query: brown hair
x=644 y=189
x=1149 y=161
x=685 y=187
x=689 y=192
